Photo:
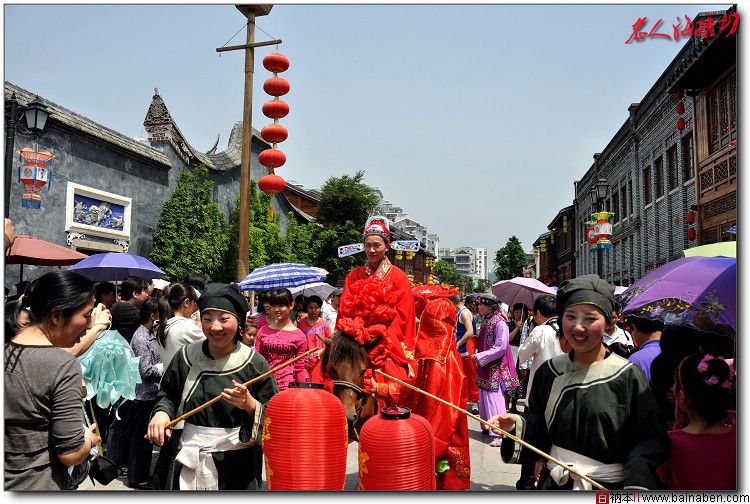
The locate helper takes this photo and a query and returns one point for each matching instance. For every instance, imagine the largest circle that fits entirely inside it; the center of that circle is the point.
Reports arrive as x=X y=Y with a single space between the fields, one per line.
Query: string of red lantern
x=274 y=133
x=680 y=109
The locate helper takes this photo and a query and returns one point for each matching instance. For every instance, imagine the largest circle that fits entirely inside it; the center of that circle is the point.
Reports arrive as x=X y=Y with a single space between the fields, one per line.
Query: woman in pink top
x=315 y=329
x=704 y=450
x=280 y=340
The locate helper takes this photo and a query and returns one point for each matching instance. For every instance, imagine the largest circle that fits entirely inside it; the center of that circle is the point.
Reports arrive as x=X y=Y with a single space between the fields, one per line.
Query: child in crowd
x=315 y=329
x=248 y=332
x=704 y=449
x=280 y=340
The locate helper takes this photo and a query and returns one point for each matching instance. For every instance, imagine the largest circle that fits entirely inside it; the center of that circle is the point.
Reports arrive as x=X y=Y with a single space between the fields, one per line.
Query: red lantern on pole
x=272 y=158
x=691 y=234
x=396 y=452
x=276 y=86
x=680 y=109
x=271 y=184
x=680 y=124
x=276 y=63
x=275 y=109
x=274 y=133
x=309 y=454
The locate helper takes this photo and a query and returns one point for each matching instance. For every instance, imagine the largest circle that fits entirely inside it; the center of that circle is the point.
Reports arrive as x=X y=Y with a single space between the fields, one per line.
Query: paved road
x=488 y=472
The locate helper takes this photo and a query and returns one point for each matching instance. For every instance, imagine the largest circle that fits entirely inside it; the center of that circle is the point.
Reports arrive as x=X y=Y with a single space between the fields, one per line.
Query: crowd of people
x=625 y=401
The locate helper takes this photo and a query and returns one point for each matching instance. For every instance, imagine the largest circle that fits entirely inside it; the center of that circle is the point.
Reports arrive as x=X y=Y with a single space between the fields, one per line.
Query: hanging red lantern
x=271 y=184
x=34 y=175
x=274 y=133
x=272 y=158
x=276 y=86
x=276 y=63
x=275 y=109
x=691 y=234
x=309 y=455
x=680 y=124
x=680 y=108
x=396 y=452
x=690 y=218
x=680 y=94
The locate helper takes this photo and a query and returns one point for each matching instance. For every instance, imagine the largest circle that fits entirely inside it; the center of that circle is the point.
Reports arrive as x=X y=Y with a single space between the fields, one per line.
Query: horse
x=345 y=361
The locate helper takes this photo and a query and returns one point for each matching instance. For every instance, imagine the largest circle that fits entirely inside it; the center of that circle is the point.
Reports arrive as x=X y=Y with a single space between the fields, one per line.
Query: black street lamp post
x=36 y=115
x=598 y=195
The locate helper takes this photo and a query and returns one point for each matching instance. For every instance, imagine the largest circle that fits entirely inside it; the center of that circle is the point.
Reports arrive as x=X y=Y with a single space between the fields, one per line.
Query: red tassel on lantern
x=305 y=439
x=396 y=452
x=276 y=63
x=275 y=109
x=272 y=158
x=691 y=234
x=680 y=124
x=276 y=86
x=680 y=108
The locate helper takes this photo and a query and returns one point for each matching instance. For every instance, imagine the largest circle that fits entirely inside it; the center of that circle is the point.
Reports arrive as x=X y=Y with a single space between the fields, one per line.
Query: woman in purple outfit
x=496 y=370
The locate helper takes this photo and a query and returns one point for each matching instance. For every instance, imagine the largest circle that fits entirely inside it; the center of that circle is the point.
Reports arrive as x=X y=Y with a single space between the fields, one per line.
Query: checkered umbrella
x=282 y=276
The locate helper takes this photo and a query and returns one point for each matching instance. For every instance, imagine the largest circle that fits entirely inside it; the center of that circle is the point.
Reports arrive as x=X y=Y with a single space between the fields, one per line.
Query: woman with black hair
x=216 y=448
x=704 y=447
x=177 y=329
x=44 y=433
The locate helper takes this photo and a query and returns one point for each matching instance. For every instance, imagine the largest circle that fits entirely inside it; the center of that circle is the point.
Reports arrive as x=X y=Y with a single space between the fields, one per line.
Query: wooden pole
x=496 y=429
x=249 y=382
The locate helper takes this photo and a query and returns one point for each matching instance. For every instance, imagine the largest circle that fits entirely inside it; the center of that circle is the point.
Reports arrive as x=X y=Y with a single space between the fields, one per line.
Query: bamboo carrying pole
x=249 y=382
x=498 y=430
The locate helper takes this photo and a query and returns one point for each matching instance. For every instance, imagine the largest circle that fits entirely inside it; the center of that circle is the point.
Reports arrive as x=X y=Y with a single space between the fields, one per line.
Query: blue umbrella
x=732 y=230
x=282 y=276
x=116 y=266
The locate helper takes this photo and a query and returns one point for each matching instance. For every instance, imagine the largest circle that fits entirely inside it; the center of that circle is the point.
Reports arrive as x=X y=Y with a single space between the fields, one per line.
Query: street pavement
x=488 y=472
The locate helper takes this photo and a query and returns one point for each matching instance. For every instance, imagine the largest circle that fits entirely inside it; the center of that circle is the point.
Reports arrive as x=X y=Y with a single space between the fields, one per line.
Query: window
x=722 y=117
x=624 y=200
x=616 y=205
x=659 y=177
x=672 y=167
x=647 y=185
x=687 y=158
x=630 y=196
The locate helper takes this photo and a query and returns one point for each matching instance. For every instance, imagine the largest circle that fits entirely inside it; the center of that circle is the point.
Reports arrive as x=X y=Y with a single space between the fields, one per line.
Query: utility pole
x=250 y=12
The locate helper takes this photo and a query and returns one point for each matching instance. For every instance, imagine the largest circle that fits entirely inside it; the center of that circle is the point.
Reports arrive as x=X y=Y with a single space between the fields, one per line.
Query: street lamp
x=36 y=115
x=598 y=195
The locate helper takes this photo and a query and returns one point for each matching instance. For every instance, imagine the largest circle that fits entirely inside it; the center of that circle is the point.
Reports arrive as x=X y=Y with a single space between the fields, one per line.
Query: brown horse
x=344 y=361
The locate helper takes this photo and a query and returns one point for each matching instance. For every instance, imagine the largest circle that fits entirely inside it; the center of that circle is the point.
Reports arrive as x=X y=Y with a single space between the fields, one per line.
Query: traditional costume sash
x=381 y=272
x=607 y=473
x=196 y=445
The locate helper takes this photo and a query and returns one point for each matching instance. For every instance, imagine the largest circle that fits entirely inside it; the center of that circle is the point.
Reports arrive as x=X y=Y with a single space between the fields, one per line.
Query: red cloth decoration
x=272 y=158
x=276 y=63
x=276 y=86
x=396 y=453
x=308 y=455
x=275 y=109
x=680 y=109
x=274 y=133
x=680 y=124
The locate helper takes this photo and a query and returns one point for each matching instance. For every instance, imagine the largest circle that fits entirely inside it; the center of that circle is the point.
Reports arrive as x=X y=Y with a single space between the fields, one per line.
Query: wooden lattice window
x=647 y=185
x=722 y=118
x=672 y=167
x=688 y=171
x=659 y=177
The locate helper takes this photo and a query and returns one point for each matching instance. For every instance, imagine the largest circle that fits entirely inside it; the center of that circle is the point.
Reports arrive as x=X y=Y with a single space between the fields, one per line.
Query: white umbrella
x=520 y=290
x=320 y=289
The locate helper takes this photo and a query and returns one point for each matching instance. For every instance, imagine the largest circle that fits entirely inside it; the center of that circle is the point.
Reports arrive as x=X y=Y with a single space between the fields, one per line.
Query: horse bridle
x=356 y=388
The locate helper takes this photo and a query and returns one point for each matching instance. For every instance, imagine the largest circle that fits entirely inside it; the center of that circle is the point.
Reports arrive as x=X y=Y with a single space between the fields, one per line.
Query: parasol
x=320 y=289
x=110 y=369
x=282 y=276
x=30 y=250
x=116 y=266
x=520 y=290
x=699 y=291
x=726 y=249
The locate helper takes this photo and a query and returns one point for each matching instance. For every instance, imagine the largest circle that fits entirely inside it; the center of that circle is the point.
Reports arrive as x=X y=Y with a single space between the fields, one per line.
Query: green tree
x=510 y=260
x=447 y=273
x=190 y=235
x=302 y=242
x=484 y=285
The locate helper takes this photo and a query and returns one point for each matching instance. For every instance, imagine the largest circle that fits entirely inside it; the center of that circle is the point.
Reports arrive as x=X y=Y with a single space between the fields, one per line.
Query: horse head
x=345 y=361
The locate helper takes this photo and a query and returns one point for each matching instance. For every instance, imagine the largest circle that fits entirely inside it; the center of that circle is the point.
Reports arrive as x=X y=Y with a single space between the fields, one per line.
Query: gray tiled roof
x=78 y=122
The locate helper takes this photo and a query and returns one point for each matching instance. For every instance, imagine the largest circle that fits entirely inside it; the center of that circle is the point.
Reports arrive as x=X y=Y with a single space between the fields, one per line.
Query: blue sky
x=476 y=119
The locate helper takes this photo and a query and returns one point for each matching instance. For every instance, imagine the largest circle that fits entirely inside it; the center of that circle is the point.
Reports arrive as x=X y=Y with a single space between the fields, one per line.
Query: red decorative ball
x=690 y=218
x=271 y=184
x=275 y=109
x=276 y=86
x=691 y=234
x=272 y=158
x=396 y=452
x=276 y=63
x=680 y=124
x=309 y=454
x=680 y=94
x=680 y=108
x=274 y=133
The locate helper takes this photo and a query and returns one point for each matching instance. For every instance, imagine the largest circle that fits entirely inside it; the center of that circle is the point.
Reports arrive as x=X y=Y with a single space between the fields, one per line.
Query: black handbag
x=102 y=470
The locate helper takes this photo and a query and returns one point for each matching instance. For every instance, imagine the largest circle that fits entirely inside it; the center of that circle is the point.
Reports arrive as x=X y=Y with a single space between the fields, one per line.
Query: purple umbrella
x=520 y=290
x=700 y=291
x=116 y=266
